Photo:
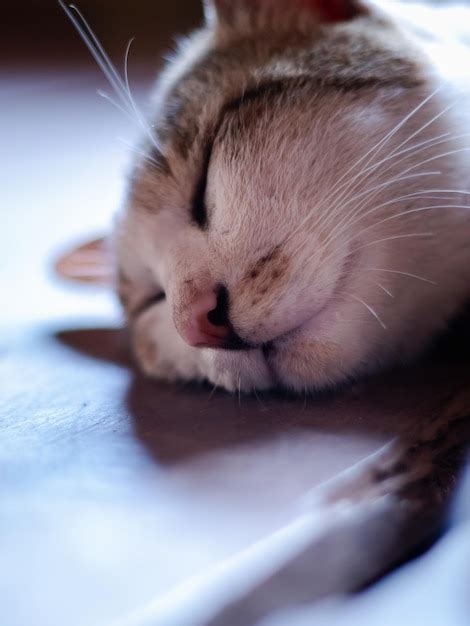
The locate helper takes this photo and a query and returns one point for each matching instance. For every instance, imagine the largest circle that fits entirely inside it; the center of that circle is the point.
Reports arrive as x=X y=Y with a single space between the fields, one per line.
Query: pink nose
x=203 y=328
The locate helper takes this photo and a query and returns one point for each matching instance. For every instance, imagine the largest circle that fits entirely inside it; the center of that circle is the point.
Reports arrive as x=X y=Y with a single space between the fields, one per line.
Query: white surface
x=434 y=590
x=62 y=176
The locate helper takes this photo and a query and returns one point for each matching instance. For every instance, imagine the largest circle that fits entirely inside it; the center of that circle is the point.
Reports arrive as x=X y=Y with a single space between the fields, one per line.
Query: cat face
x=261 y=231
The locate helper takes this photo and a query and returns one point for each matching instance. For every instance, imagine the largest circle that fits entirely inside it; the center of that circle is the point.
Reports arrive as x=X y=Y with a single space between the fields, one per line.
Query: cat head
x=260 y=209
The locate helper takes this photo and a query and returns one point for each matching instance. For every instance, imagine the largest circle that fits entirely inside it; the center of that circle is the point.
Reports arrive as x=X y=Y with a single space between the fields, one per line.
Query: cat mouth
x=268 y=348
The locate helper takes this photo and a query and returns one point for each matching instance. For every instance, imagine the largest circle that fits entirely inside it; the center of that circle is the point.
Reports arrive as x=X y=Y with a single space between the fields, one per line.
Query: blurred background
x=36 y=31
x=65 y=150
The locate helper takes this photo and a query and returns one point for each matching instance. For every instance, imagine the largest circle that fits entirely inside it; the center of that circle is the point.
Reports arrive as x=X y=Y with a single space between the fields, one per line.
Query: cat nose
x=208 y=325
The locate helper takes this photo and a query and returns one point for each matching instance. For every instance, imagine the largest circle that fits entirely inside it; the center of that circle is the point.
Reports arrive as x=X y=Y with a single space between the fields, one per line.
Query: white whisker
x=390 y=134
x=427 y=124
x=108 y=98
x=423 y=145
x=337 y=187
x=438 y=156
x=146 y=128
x=400 y=178
x=411 y=152
x=385 y=290
x=380 y=269
x=120 y=86
x=253 y=389
x=463 y=192
x=408 y=212
x=96 y=49
x=213 y=390
x=392 y=238
x=340 y=249
x=385 y=139
x=337 y=230
x=348 y=219
x=141 y=153
x=126 y=78
x=370 y=309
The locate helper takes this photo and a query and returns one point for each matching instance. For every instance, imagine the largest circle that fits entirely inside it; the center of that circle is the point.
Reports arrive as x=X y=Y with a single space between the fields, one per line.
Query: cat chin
x=307 y=365
x=296 y=363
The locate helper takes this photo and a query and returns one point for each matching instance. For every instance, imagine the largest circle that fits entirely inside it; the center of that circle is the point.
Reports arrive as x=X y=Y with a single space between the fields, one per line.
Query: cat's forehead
x=347 y=58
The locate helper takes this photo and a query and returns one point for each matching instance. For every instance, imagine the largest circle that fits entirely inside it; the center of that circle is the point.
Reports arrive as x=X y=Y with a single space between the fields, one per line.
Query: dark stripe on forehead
x=184 y=134
x=198 y=208
x=269 y=89
x=292 y=87
x=182 y=129
x=347 y=60
x=289 y=86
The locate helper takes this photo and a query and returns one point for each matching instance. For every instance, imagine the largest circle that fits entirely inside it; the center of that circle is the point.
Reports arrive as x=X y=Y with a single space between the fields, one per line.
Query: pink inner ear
x=91 y=262
x=333 y=10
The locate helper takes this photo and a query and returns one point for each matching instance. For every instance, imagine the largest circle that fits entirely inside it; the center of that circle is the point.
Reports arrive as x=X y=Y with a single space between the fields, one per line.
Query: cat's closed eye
x=198 y=206
x=147 y=304
x=331 y=191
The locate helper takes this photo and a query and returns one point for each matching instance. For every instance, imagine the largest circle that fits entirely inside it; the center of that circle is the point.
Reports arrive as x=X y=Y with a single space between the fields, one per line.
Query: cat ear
x=91 y=262
x=233 y=12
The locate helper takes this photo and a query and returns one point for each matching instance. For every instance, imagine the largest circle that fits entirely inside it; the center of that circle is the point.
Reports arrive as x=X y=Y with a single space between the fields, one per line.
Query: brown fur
x=264 y=114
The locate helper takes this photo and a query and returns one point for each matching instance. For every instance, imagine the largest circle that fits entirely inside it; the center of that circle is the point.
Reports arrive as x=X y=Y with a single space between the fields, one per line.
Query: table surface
x=119 y=493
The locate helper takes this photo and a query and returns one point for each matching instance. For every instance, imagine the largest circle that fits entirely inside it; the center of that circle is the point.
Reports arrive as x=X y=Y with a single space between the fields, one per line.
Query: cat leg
x=159 y=349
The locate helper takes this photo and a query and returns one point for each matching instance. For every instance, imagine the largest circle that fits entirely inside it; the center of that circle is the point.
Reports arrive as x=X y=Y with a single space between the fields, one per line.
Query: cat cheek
x=307 y=362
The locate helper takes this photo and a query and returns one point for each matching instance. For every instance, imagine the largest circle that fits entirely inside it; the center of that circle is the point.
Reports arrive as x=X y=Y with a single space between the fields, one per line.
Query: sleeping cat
x=301 y=213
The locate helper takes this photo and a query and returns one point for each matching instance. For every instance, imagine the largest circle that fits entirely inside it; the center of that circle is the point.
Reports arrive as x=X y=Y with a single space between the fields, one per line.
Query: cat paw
x=238 y=371
x=160 y=351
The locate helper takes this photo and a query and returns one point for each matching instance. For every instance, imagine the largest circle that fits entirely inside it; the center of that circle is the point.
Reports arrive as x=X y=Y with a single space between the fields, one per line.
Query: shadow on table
x=178 y=421
x=315 y=439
